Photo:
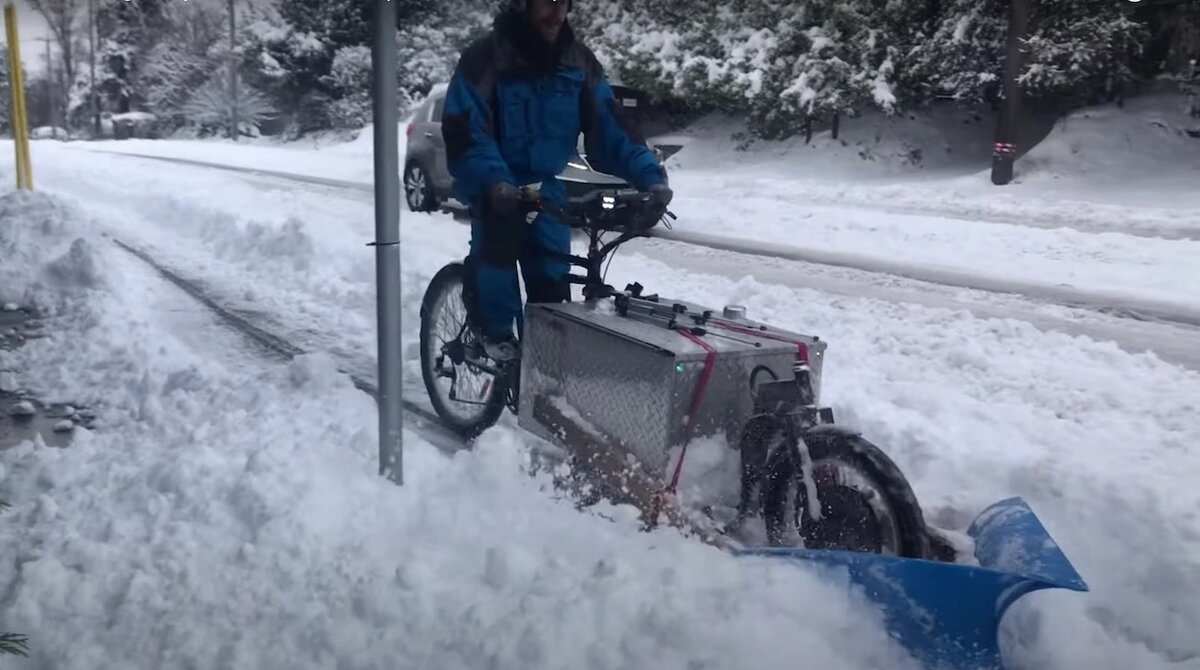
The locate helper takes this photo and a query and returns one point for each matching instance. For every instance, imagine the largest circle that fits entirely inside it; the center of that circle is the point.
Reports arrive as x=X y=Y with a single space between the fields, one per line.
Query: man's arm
x=472 y=155
x=613 y=145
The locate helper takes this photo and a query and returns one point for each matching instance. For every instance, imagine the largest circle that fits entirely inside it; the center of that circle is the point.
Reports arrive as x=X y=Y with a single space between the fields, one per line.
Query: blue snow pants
x=492 y=264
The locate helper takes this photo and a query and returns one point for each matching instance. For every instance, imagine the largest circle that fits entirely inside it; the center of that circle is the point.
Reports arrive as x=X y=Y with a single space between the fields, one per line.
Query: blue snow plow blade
x=948 y=614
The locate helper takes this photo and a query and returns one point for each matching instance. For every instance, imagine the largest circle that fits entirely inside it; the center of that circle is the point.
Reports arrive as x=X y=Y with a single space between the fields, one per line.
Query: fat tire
x=451 y=278
x=853 y=451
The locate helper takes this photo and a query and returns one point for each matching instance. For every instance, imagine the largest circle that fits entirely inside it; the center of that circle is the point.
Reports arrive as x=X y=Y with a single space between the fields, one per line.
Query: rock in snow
x=23 y=408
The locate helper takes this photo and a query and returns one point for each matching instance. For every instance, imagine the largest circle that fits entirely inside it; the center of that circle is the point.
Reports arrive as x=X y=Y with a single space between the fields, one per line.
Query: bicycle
x=492 y=386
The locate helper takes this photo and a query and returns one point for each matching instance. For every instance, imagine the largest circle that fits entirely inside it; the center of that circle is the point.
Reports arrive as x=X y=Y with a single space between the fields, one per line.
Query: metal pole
x=92 y=66
x=387 y=239
x=1004 y=153
x=233 y=91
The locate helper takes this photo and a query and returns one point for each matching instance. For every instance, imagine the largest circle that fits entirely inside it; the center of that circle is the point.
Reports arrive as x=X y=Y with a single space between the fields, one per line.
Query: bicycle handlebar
x=601 y=210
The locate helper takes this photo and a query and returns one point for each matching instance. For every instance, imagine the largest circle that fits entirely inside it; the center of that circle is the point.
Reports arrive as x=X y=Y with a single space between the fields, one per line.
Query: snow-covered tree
x=128 y=32
x=183 y=59
x=316 y=61
x=1078 y=49
x=350 y=76
x=782 y=63
x=962 y=57
x=1075 y=49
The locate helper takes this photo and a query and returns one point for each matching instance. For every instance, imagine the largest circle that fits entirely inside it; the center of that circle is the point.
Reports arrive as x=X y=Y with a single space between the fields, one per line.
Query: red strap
x=801 y=347
x=710 y=357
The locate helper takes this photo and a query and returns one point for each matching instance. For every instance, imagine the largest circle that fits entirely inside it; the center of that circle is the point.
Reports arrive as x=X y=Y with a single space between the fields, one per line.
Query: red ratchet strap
x=710 y=358
x=801 y=347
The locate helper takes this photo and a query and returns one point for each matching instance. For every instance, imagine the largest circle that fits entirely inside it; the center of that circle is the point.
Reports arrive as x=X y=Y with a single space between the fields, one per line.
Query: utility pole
x=92 y=66
x=1004 y=153
x=233 y=91
x=53 y=90
x=387 y=240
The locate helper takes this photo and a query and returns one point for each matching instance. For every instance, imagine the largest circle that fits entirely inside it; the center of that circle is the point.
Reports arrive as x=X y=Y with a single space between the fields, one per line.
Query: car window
x=436 y=117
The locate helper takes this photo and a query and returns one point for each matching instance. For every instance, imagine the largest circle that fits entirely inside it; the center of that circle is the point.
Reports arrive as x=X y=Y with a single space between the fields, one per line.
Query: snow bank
x=233 y=517
x=1103 y=168
x=1133 y=142
x=44 y=259
x=872 y=145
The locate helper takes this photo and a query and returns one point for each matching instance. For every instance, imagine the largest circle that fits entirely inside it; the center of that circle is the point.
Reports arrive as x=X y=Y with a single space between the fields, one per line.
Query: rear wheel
x=865 y=504
x=418 y=188
x=466 y=389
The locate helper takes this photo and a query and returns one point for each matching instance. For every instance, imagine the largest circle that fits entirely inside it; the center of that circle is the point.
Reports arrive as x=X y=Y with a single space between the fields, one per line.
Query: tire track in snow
x=423 y=420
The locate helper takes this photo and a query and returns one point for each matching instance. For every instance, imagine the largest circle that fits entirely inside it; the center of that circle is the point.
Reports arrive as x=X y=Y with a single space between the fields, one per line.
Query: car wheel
x=418 y=189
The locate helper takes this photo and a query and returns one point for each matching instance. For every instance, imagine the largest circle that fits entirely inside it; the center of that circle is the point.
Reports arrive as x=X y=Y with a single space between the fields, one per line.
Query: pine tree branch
x=14 y=643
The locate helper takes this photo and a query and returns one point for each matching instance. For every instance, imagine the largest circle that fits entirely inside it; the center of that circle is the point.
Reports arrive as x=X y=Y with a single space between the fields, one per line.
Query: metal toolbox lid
x=602 y=315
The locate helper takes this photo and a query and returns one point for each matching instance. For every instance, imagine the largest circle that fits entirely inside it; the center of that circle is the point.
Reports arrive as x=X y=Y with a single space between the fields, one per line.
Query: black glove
x=656 y=206
x=660 y=196
x=505 y=200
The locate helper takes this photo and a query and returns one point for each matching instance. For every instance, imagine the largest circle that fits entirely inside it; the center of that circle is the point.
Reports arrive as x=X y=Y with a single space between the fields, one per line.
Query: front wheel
x=865 y=503
x=465 y=390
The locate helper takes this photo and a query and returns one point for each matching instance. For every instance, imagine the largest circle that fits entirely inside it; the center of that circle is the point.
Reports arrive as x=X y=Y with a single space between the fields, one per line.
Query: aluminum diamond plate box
x=633 y=382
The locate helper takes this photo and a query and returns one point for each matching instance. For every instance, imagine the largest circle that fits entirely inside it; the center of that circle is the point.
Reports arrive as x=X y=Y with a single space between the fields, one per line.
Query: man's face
x=547 y=17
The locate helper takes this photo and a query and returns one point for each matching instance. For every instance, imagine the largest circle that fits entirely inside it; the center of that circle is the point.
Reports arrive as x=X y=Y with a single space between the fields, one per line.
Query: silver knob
x=734 y=312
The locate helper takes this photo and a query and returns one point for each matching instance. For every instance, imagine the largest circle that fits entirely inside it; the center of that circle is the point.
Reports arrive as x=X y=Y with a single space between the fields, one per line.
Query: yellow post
x=16 y=82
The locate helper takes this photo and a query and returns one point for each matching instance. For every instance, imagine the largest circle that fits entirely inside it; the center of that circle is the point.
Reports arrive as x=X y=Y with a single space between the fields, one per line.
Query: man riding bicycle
x=514 y=109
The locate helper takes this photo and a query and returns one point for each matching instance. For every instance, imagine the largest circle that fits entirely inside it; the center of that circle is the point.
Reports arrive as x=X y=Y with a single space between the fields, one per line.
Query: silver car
x=427 y=180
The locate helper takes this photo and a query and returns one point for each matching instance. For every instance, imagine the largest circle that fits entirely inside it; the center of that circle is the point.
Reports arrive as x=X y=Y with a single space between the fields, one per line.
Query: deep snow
x=224 y=518
x=1101 y=442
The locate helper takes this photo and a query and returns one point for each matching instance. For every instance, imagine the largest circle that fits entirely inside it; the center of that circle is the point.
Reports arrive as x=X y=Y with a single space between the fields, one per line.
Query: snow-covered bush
x=212 y=107
x=350 y=77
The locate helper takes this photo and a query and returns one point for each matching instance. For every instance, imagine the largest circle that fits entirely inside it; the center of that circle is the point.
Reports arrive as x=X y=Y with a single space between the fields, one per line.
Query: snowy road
x=1131 y=272
x=974 y=408
x=1169 y=329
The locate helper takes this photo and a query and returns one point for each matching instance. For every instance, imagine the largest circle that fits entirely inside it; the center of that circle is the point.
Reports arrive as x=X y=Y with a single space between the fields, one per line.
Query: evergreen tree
x=128 y=31
x=1075 y=50
x=1078 y=50
x=962 y=57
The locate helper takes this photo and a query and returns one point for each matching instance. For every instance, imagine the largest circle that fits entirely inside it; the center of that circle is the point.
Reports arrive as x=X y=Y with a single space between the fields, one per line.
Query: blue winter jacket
x=507 y=120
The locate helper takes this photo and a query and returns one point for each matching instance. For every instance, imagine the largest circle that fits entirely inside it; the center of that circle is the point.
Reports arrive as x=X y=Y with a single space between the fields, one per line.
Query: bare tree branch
x=61 y=16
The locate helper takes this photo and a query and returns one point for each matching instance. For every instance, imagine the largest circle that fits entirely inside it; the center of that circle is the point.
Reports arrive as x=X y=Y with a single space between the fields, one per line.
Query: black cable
x=754 y=378
x=604 y=275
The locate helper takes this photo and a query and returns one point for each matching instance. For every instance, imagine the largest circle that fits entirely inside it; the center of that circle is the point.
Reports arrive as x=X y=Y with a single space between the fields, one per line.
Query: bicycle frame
x=613 y=204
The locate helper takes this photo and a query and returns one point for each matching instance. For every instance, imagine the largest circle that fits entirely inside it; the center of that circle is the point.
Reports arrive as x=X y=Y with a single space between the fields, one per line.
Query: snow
x=231 y=515
x=1130 y=169
x=226 y=517
x=22 y=408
